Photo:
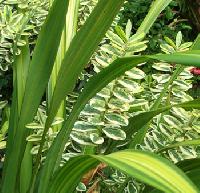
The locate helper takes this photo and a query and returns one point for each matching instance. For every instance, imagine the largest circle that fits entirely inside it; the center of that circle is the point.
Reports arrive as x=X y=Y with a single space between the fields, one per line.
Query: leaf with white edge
x=82 y=126
x=116 y=119
x=161 y=78
x=137 y=103
x=185 y=46
x=34 y=138
x=136 y=38
x=137 y=47
x=181 y=113
x=81 y=138
x=34 y=126
x=96 y=139
x=179 y=39
x=164 y=67
x=57 y=121
x=135 y=73
x=114 y=133
x=172 y=121
x=81 y=187
x=167 y=48
x=98 y=104
x=97 y=120
x=181 y=84
x=131 y=85
x=116 y=104
x=105 y=93
x=186 y=74
x=110 y=50
x=88 y=110
x=128 y=29
x=2 y=144
x=101 y=60
x=170 y=42
x=123 y=95
x=114 y=38
x=3 y=104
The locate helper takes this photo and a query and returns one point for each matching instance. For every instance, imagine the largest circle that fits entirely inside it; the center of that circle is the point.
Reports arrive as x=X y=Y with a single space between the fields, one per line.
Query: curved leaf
x=67 y=178
x=41 y=67
x=80 y=50
x=146 y=167
x=156 y=8
x=193 y=142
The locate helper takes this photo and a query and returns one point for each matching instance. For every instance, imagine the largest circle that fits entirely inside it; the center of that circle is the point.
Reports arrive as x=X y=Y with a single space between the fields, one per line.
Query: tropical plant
x=31 y=77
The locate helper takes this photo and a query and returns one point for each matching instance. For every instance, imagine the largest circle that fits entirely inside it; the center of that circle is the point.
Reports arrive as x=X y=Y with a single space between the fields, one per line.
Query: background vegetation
x=151 y=105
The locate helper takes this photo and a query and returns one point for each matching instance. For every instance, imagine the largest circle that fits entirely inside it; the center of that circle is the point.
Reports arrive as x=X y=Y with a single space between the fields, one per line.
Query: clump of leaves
x=17 y=20
x=103 y=116
x=177 y=124
x=169 y=23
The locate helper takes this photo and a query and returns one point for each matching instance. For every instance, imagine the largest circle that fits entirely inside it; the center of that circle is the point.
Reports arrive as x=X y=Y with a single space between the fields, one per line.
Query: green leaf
x=139 y=121
x=67 y=178
x=189 y=164
x=114 y=133
x=81 y=49
x=193 y=175
x=190 y=57
x=179 y=38
x=37 y=79
x=3 y=104
x=96 y=139
x=145 y=167
x=193 y=142
x=156 y=8
x=78 y=54
x=128 y=29
x=116 y=119
x=135 y=73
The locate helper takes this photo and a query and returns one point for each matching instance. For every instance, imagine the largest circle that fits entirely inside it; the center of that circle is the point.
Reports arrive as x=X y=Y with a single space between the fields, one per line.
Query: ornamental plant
x=55 y=66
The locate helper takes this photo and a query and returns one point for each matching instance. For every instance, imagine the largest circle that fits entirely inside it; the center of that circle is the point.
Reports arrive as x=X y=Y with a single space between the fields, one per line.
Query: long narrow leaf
x=38 y=76
x=80 y=51
x=156 y=8
x=145 y=167
x=192 y=142
x=75 y=169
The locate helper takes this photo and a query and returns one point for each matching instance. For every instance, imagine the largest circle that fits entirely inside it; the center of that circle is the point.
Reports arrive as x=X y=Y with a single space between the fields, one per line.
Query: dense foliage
x=74 y=93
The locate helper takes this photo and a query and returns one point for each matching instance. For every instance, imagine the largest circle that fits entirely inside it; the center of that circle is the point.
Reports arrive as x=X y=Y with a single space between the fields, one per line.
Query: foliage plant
x=170 y=21
x=32 y=73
